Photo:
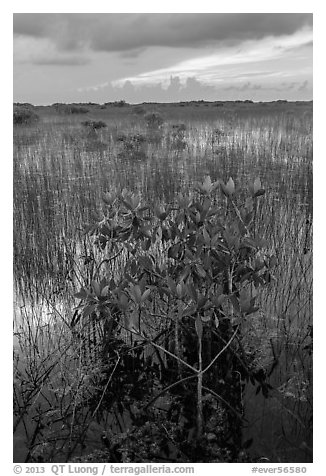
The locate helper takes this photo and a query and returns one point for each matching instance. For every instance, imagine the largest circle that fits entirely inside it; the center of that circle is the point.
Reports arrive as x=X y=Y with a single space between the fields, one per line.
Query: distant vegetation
x=24 y=115
x=70 y=108
x=94 y=124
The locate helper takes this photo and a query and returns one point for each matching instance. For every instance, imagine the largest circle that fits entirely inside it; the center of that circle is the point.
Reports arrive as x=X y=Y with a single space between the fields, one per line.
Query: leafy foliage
x=188 y=280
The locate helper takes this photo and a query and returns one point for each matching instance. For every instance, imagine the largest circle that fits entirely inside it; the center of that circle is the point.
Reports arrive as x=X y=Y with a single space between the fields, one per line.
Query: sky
x=161 y=57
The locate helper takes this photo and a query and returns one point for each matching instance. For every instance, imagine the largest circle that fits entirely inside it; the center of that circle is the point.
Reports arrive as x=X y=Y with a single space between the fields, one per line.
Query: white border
x=315 y=7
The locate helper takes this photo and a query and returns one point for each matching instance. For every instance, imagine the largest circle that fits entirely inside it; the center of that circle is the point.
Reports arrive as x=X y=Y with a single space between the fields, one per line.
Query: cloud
x=43 y=53
x=132 y=53
x=192 y=89
x=282 y=87
x=175 y=90
x=292 y=49
x=62 y=61
x=96 y=87
x=303 y=86
x=214 y=67
x=133 y=31
x=243 y=87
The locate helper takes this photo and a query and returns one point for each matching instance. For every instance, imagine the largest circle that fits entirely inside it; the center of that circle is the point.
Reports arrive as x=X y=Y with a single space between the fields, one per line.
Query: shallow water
x=280 y=425
x=58 y=184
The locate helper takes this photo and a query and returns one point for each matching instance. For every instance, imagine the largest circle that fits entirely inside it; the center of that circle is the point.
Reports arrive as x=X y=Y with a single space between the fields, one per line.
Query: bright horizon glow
x=207 y=67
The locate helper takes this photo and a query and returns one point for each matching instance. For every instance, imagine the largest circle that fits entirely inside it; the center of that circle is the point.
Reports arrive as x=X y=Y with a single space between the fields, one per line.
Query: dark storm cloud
x=124 y=32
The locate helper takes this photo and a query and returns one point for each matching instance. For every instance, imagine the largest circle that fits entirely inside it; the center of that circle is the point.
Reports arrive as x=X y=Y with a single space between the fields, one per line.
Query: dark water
x=280 y=425
x=278 y=433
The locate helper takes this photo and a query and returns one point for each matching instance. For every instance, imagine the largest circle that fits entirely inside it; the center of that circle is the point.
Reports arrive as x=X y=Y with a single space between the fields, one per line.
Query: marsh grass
x=60 y=173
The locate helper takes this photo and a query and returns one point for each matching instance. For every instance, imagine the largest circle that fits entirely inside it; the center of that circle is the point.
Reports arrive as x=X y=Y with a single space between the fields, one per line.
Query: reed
x=61 y=171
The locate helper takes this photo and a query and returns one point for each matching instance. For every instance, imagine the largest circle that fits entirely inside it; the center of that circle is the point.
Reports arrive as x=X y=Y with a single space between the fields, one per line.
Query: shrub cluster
x=94 y=124
x=177 y=137
x=187 y=284
x=76 y=110
x=24 y=116
x=154 y=120
x=132 y=146
x=70 y=108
